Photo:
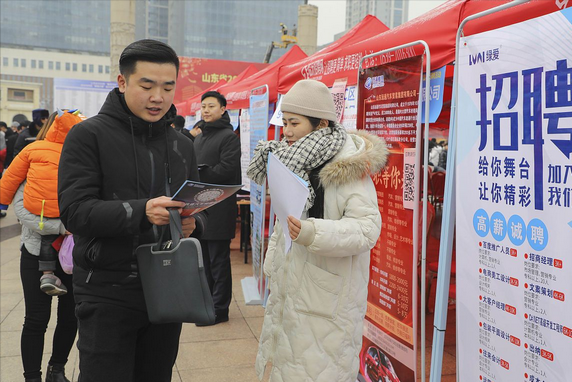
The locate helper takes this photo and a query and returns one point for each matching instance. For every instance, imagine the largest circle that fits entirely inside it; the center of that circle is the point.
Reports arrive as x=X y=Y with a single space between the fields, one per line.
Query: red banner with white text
x=198 y=74
x=388 y=106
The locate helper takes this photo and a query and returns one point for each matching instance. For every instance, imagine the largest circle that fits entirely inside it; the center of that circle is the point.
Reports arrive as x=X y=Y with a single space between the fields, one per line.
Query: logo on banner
x=484 y=56
x=313 y=69
x=374 y=82
x=561 y=3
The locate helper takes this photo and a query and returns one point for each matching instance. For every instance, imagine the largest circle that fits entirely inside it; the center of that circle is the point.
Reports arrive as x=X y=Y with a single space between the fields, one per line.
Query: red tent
x=244 y=74
x=182 y=108
x=332 y=62
x=437 y=27
x=195 y=102
x=237 y=93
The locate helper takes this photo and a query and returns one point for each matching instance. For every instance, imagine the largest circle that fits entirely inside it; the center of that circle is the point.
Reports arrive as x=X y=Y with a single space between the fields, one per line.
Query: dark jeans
x=118 y=344
x=38 y=310
x=216 y=256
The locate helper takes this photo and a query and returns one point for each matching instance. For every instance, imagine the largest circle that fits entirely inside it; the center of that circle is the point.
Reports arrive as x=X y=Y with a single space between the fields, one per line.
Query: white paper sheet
x=288 y=192
x=276 y=119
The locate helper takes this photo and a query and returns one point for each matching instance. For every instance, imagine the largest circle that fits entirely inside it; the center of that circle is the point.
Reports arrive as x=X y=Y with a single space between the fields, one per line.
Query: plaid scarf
x=304 y=155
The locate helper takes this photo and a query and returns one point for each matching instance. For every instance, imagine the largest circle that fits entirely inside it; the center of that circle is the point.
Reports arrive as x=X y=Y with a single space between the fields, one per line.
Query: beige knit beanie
x=310 y=98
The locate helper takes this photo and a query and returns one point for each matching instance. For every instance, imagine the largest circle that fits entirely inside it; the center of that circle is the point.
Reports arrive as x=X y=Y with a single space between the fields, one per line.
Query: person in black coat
x=218 y=158
x=11 y=142
x=28 y=135
x=116 y=172
x=179 y=126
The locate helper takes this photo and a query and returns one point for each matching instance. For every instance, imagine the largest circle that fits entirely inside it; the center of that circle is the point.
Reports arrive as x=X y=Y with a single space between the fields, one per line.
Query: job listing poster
x=389 y=107
x=514 y=210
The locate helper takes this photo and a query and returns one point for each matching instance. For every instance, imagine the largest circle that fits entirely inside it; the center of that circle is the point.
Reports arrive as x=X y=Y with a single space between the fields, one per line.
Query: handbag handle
x=176 y=230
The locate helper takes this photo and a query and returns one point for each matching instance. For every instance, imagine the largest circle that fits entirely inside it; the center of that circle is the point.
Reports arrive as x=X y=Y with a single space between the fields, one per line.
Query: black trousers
x=38 y=310
x=216 y=256
x=118 y=344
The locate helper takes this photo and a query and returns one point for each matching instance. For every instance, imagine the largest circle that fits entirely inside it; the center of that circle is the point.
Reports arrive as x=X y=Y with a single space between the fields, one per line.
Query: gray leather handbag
x=173 y=277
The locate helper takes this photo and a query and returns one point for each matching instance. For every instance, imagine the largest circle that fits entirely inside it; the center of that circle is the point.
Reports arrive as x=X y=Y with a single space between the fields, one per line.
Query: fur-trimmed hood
x=363 y=155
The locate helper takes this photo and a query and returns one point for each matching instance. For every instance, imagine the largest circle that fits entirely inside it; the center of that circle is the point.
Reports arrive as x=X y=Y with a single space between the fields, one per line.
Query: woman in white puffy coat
x=313 y=322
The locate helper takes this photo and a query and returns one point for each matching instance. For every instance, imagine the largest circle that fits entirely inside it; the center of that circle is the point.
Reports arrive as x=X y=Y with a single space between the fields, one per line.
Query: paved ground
x=225 y=352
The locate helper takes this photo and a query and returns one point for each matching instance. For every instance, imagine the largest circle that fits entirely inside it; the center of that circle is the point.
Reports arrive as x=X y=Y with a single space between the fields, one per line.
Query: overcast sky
x=332 y=15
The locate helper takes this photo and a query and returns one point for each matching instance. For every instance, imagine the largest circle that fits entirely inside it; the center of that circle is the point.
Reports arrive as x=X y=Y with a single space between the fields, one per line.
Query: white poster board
x=245 y=153
x=85 y=95
x=350 y=110
x=514 y=209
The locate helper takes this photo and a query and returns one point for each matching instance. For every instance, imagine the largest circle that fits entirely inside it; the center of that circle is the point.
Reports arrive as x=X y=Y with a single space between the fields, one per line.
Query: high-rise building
x=223 y=29
x=72 y=25
x=41 y=40
x=391 y=12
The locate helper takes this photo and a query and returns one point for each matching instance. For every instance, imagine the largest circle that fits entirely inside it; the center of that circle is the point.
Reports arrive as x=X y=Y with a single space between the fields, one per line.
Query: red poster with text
x=388 y=106
x=198 y=74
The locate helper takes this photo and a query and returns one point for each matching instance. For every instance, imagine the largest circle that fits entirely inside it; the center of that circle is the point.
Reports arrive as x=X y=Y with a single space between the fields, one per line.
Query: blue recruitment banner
x=258 y=112
x=436 y=89
x=514 y=202
x=85 y=95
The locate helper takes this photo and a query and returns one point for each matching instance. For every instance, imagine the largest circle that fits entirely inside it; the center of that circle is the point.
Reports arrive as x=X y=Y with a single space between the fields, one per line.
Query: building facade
x=391 y=12
x=223 y=29
x=42 y=40
x=27 y=77
x=71 y=25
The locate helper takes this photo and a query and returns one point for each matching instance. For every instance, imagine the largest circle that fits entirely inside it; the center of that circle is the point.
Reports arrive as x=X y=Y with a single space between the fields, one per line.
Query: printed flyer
x=514 y=208
x=388 y=106
x=200 y=196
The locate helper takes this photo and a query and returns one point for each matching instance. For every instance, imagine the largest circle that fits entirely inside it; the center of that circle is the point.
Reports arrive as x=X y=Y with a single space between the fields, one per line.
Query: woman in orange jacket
x=38 y=164
x=35 y=171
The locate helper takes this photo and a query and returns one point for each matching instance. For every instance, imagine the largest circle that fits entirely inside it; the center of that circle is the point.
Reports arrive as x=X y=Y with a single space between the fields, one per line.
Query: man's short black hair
x=3 y=124
x=217 y=95
x=149 y=51
x=179 y=121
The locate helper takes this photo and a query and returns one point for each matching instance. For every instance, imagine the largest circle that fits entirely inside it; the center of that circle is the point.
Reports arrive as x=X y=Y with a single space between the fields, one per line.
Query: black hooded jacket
x=26 y=136
x=111 y=165
x=218 y=157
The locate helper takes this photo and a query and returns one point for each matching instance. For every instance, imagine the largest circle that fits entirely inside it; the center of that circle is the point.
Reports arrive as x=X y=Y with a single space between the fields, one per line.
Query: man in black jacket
x=218 y=157
x=28 y=135
x=11 y=141
x=179 y=126
x=116 y=172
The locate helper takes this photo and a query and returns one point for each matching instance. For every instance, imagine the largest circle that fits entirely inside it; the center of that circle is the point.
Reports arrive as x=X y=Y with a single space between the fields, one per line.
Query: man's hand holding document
x=288 y=193
x=200 y=196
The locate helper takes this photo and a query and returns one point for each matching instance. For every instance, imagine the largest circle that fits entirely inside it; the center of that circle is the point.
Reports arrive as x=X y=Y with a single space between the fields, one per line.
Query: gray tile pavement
x=223 y=352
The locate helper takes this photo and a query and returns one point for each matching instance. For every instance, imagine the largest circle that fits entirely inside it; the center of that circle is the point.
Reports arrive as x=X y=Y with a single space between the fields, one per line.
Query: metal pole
x=416 y=198
x=448 y=224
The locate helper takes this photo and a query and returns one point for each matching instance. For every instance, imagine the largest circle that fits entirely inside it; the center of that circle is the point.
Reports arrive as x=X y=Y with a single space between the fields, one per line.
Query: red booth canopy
x=237 y=93
x=437 y=27
x=195 y=102
x=182 y=108
x=332 y=62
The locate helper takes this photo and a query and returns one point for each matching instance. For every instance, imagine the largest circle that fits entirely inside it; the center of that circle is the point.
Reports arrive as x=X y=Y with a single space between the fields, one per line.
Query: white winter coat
x=313 y=322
